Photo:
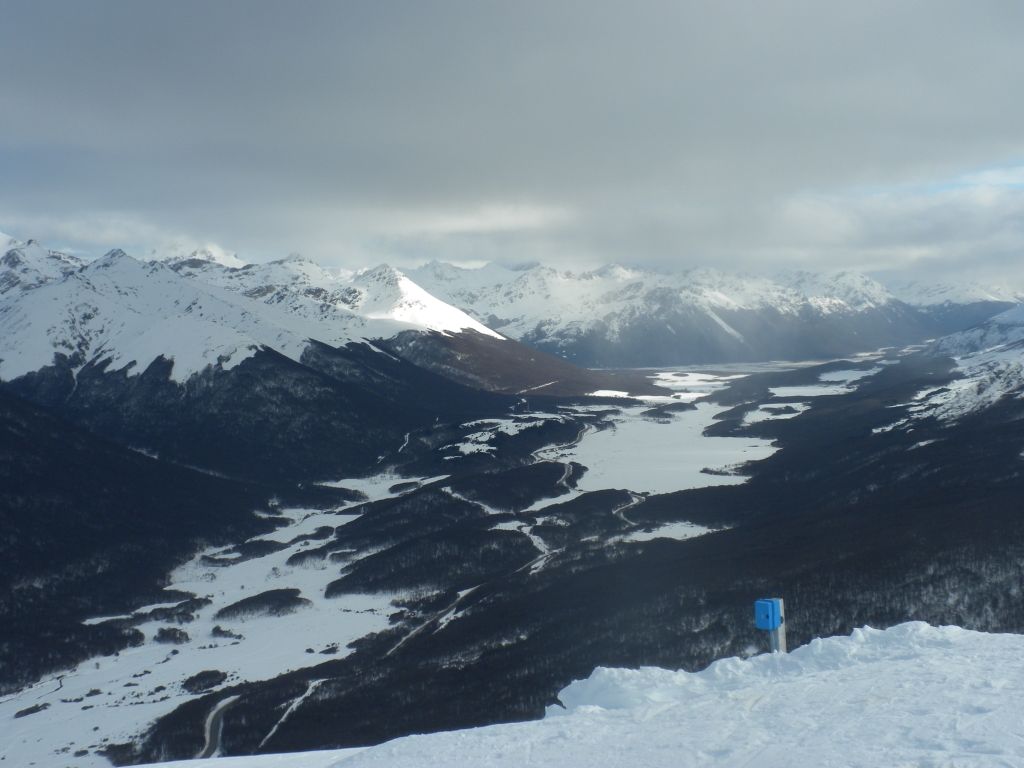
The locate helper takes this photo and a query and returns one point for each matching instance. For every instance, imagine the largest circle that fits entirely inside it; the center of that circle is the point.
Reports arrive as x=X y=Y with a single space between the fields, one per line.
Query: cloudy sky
x=874 y=135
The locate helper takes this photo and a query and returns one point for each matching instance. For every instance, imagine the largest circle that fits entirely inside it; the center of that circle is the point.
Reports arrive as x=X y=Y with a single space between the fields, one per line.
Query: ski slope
x=912 y=695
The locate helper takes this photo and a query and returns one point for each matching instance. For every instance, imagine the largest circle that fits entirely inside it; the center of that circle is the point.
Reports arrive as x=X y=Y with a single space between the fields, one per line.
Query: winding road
x=214 y=727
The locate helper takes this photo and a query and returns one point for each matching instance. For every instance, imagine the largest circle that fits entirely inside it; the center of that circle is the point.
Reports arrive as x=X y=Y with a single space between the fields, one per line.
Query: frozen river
x=660 y=455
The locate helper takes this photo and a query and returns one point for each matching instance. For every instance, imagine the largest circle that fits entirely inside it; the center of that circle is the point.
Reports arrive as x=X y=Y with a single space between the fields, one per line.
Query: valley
x=259 y=610
x=335 y=499
x=444 y=383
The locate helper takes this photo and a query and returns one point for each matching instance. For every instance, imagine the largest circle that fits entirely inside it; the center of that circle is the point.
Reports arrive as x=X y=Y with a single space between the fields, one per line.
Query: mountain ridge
x=623 y=316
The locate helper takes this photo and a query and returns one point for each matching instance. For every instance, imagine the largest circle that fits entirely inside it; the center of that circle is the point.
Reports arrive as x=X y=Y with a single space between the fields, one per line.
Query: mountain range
x=618 y=316
x=328 y=508
x=610 y=317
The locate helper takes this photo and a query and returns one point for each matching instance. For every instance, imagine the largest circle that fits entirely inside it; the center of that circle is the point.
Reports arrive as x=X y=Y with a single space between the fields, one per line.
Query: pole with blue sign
x=770 y=615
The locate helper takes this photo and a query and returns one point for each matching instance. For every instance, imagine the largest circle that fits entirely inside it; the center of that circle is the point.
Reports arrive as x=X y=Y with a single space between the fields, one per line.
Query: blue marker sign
x=770 y=615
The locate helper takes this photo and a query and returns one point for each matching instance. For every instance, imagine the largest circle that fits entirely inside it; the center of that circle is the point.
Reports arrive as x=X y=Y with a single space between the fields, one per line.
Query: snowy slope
x=989 y=367
x=838 y=291
x=923 y=294
x=143 y=683
x=912 y=695
x=302 y=287
x=620 y=316
x=559 y=300
x=132 y=312
x=115 y=697
x=212 y=254
x=28 y=265
x=1002 y=331
x=384 y=292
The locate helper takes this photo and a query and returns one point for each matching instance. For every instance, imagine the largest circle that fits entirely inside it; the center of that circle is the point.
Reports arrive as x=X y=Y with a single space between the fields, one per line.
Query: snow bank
x=912 y=695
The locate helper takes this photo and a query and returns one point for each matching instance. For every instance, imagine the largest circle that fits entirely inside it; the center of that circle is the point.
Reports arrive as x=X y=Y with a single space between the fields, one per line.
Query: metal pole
x=777 y=637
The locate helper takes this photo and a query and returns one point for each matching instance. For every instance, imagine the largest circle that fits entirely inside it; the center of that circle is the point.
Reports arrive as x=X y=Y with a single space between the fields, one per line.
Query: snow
x=985 y=379
x=989 y=367
x=131 y=313
x=833 y=383
x=925 y=294
x=326 y=758
x=1003 y=330
x=389 y=294
x=120 y=309
x=482 y=440
x=129 y=699
x=677 y=531
x=725 y=326
x=692 y=385
x=644 y=455
x=24 y=266
x=810 y=390
x=609 y=393
x=565 y=304
x=769 y=412
x=848 y=377
x=210 y=253
x=911 y=695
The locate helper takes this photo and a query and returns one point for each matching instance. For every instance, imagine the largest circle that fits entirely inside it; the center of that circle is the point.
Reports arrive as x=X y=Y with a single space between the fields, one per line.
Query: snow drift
x=911 y=695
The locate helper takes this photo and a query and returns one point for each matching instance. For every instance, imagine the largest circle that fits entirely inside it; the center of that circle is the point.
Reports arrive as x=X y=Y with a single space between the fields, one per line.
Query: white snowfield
x=661 y=455
x=912 y=695
x=132 y=312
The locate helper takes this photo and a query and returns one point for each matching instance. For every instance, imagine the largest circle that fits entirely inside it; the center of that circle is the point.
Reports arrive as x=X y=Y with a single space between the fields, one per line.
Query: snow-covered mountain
x=1003 y=331
x=305 y=289
x=121 y=345
x=613 y=316
x=989 y=371
x=130 y=313
x=211 y=254
x=624 y=316
x=118 y=345
x=512 y=533
x=924 y=294
x=26 y=265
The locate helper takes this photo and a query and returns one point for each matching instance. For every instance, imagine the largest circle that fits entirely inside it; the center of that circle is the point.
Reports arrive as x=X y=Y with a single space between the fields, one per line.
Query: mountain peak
x=855 y=289
x=111 y=257
x=383 y=274
x=386 y=293
x=209 y=254
x=613 y=272
x=26 y=265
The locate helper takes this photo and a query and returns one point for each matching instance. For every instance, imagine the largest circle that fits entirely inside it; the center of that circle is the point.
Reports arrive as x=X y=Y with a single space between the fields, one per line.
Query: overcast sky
x=761 y=135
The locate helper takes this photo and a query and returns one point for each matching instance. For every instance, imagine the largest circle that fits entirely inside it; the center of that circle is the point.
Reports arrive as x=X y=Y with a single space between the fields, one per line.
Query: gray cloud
x=645 y=132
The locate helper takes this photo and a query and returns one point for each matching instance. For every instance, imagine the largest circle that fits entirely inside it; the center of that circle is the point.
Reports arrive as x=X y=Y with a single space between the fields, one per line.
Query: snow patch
x=677 y=531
